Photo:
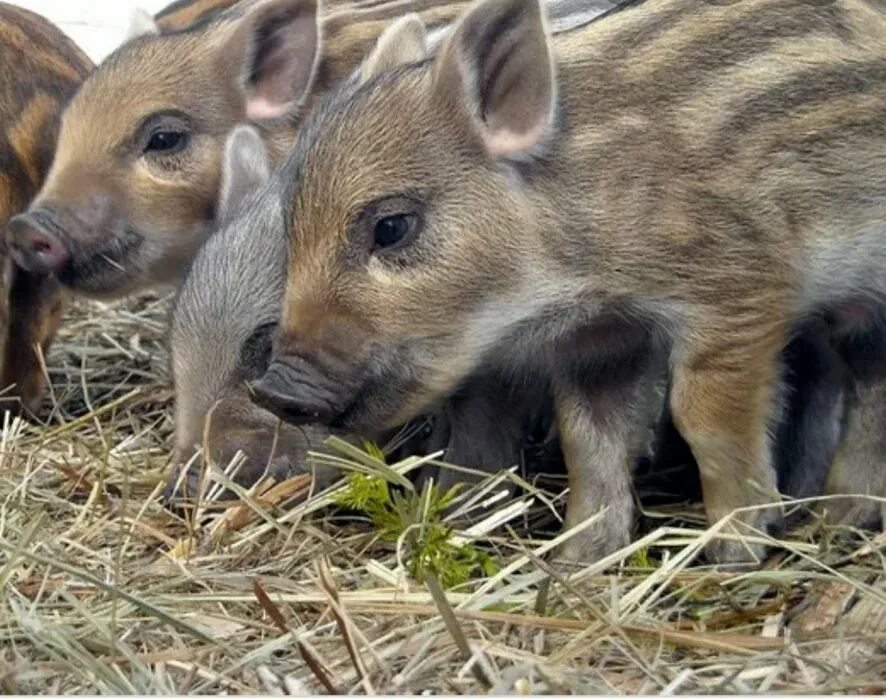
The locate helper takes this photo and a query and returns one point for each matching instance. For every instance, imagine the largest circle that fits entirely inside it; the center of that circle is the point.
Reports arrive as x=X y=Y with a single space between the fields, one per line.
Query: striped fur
x=42 y=69
x=687 y=184
x=188 y=14
x=184 y=14
x=156 y=213
x=162 y=208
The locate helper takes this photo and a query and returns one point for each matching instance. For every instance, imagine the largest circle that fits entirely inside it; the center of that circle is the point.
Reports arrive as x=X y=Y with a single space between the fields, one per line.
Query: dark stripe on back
x=203 y=7
x=754 y=34
x=626 y=43
x=173 y=8
x=700 y=59
x=44 y=39
x=813 y=87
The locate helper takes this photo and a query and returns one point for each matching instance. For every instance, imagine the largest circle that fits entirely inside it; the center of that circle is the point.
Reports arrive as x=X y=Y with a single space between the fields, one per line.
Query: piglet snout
x=297 y=393
x=34 y=246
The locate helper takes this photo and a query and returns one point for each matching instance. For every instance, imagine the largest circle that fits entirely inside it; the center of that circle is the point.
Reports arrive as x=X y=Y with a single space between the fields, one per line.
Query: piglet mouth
x=103 y=267
x=299 y=394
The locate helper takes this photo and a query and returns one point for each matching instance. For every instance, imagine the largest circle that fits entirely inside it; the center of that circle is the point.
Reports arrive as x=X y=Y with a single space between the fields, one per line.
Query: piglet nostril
x=34 y=248
x=42 y=246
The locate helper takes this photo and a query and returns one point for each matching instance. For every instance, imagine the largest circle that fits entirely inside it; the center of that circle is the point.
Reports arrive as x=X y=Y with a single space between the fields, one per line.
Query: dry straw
x=106 y=592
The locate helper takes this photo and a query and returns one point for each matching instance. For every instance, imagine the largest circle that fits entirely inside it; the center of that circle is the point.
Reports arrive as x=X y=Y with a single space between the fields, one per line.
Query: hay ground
x=106 y=592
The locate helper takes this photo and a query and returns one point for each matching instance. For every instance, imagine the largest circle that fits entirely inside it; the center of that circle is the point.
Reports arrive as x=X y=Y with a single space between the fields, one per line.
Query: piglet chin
x=296 y=393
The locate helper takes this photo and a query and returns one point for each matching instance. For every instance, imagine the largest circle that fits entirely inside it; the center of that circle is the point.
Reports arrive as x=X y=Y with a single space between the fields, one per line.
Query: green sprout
x=416 y=520
x=642 y=559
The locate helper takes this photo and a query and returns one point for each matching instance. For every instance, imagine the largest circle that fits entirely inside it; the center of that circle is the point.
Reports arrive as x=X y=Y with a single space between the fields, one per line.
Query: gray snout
x=297 y=393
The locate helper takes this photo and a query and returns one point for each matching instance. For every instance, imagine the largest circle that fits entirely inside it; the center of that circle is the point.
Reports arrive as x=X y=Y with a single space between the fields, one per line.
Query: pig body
x=588 y=215
x=42 y=70
x=130 y=199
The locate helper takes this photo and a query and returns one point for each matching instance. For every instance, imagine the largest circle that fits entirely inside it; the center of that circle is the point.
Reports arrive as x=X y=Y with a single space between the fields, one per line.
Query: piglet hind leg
x=859 y=468
x=722 y=400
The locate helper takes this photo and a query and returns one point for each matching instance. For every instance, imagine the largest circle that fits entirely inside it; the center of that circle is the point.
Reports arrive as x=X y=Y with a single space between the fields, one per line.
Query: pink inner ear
x=258 y=108
x=501 y=143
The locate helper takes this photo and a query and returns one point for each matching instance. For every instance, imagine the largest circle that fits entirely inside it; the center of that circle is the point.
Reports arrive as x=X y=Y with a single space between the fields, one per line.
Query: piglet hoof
x=589 y=547
x=747 y=551
x=283 y=470
x=181 y=493
x=862 y=513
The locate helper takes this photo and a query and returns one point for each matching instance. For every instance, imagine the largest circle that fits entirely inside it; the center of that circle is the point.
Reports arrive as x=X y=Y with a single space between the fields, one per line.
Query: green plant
x=642 y=559
x=414 y=521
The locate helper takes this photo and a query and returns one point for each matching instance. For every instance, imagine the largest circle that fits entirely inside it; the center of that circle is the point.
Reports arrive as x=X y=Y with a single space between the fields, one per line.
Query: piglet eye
x=394 y=232
x=166 y=142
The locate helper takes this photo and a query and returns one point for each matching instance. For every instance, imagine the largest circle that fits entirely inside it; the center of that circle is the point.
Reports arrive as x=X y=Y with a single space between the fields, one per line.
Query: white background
x=98 y=26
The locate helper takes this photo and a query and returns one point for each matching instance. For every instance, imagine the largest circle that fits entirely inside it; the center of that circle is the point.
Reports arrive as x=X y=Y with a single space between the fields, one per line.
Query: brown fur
x=860 y=465
x=195 y=68
x=701 y=199
x=185 y=14
x=154 y=210
x=42 y=69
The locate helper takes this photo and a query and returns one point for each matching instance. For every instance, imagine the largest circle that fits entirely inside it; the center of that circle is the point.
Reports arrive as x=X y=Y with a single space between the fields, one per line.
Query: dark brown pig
x=42 y=69
x=555 y=206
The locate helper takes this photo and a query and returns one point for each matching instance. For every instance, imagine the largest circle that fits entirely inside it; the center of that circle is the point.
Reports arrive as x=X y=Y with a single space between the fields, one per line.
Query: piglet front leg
x=605 y=424
x=723 y=400
x=860 y=465
x=35 y=309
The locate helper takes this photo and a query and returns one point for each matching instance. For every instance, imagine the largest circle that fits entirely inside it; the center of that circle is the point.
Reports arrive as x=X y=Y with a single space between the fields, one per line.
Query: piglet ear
x=404 y=42
x=141 y=23
x=246 y=169
x=273 y=52
x=497 y=63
